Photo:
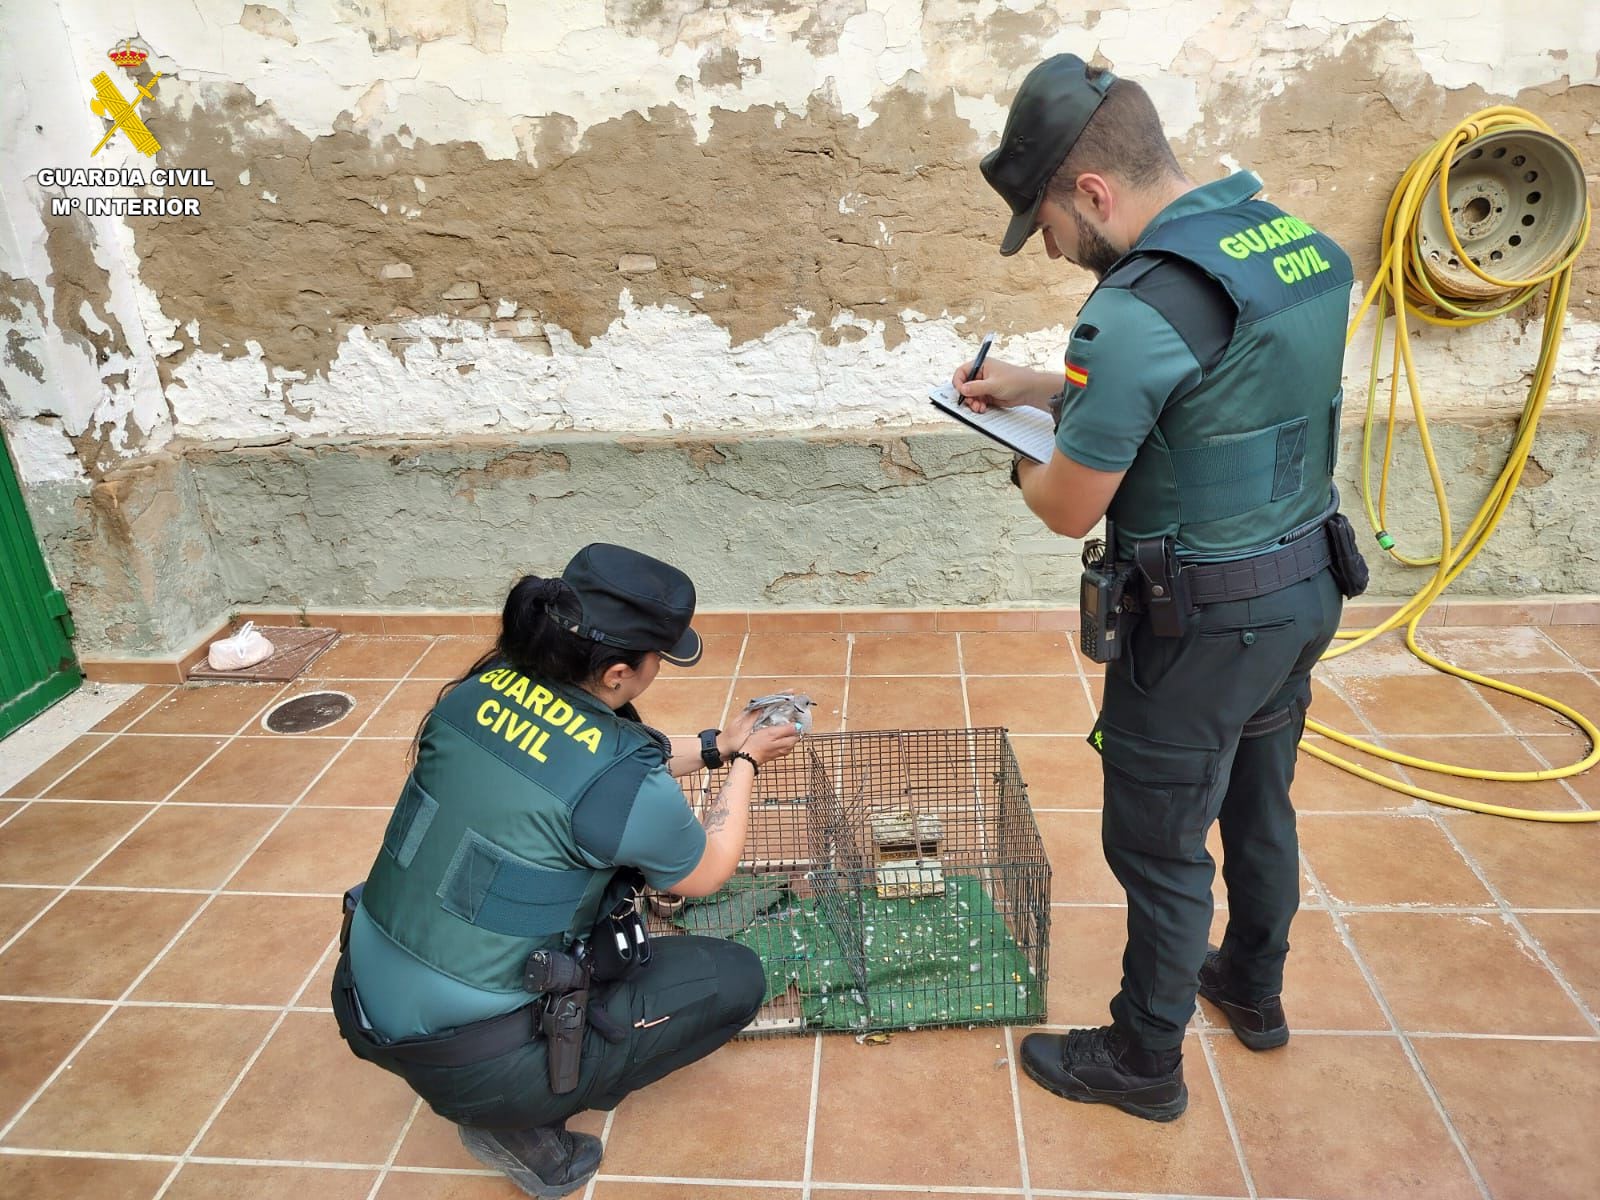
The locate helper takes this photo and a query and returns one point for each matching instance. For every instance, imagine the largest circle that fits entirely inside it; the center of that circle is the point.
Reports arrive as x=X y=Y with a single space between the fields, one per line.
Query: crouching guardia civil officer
x=1199 y=414
x=494 y=958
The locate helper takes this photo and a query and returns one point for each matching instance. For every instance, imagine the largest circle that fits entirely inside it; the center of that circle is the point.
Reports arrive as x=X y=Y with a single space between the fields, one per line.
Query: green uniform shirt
x=404 y=997
x=1140 y=361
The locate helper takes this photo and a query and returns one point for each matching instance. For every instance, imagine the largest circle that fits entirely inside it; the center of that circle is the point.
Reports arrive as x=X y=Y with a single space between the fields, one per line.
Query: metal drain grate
x=303 y=714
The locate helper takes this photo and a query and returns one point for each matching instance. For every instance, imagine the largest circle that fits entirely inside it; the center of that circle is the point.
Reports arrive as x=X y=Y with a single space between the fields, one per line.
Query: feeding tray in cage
x=906 y=851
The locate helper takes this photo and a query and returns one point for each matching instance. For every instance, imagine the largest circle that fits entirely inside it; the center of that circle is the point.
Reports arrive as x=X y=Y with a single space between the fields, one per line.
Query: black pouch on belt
x=619 y=945
x=1349 y=568
x=1166 y=594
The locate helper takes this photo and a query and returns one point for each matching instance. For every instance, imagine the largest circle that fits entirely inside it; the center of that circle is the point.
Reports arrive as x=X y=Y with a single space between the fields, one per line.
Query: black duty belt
x=1217 y=583
x=478 y=1042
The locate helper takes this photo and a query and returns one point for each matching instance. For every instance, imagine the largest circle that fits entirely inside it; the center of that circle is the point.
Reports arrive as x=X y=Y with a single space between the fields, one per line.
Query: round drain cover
x=316 y=710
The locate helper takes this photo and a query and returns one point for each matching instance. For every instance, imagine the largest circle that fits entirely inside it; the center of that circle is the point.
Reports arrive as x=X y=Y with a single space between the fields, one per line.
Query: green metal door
x=37 y=666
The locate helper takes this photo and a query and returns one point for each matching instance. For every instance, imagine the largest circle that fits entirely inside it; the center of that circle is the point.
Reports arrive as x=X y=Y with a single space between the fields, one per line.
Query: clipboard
x=1024 y=430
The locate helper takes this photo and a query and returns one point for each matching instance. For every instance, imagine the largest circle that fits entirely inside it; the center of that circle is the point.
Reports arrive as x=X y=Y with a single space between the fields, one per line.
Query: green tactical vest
x=1246 y=455
x=479 y=865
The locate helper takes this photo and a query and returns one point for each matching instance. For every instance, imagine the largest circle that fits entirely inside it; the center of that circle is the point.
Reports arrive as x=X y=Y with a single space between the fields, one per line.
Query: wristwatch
x=709 y=754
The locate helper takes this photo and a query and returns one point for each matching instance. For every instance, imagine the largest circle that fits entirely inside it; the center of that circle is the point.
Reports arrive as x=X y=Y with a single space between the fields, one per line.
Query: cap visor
x=687 y=652
x=1021 y=228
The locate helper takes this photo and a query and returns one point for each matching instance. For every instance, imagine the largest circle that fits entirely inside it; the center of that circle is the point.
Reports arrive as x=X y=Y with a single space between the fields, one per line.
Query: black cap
x=633 y=602
x=1048 y=115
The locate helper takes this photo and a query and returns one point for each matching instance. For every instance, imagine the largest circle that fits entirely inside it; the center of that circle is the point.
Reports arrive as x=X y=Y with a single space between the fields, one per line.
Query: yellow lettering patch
x=542 y=708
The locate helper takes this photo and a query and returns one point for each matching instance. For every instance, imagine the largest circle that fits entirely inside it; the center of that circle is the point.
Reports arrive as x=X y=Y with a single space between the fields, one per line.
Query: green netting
x=927 y=960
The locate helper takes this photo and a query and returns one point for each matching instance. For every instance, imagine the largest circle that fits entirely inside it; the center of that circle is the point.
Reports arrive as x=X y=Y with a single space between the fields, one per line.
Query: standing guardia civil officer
x=1199 y=414
x=494 y=958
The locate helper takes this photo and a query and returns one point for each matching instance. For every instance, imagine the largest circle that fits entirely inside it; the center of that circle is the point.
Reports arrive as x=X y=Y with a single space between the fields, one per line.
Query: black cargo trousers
x=695 y=995
x=1196 y=729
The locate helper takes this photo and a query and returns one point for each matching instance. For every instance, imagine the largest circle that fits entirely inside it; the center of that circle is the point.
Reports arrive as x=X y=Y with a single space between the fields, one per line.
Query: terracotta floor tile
x=1077 y=863
x=136 y=768
x=739 y=1114
x=1322 y=986
x=401 y=714
x=450 y=657
x=826 y=692
x=1572 y=940
x=929 y=702
x=1461 y=974
x=221 y=708
x=1061 y=772
x=1487 y=753
x=92 y=945
x=245 y=950
x=214 y=1181
x=259 y=770
x=828 y=621
x=1017 y=654
x=314 y=850
x=55 y=843
x=1560 y=750
x=48 y=772
x=1580 y=642
x=184 y=848
x=691 y=1191
x=719 y=657
x=1386 y=655
x=18 y=906
x=904 y=654
x=795 y=654
x=1085 y=963
x=320 y=987
x=918 y=1132
x=1323 y=787
x=1091 y=1147
x=1533 y=864
x=1031 y=704
x=38 y=1037
x=1379 y=860
x=369 y=695
x=432 y=1141
x=1526 y=1110
x=1572 y=688
x=401 y=1186
x=369 y=773
x=32 y=1177
x=1339 y=1117
x=354 y=1114
x=1430 y=703
x=361 y=656
x=1488 y=649
x=682 y=707
x=1331 y=708
x=145 y=1083
x=132 y=708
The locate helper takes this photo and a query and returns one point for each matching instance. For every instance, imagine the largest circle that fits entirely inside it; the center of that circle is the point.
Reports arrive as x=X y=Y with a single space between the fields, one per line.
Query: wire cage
x=890 y=880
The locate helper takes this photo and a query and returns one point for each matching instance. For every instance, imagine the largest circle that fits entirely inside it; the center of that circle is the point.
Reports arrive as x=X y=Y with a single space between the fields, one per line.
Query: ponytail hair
x=534 y=639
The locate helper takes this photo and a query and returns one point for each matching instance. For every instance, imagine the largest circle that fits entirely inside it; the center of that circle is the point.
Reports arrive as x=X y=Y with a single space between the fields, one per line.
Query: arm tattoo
x=717 y=815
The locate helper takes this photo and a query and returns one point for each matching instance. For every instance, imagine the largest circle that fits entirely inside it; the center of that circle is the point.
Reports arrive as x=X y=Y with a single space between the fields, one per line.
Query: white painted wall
x=457 y=74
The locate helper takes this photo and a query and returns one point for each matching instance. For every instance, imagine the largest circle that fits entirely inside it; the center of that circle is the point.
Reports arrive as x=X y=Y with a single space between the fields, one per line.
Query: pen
x=977 y=363
x=983 y=353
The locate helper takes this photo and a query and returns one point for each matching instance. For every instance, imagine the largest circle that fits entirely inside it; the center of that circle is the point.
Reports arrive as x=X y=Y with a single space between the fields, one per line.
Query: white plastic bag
x=244 y=649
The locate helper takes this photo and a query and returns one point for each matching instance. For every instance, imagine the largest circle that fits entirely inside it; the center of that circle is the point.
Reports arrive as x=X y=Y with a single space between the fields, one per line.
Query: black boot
x=546 y=1162
x=1100 y=1066
x=1259 y=1024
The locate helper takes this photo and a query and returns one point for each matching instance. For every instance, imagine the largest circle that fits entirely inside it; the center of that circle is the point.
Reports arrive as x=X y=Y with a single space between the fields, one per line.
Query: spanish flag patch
x=1077 y=376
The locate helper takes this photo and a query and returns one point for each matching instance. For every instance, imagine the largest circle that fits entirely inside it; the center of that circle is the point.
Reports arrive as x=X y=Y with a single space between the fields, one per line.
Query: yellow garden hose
x=1408 y=283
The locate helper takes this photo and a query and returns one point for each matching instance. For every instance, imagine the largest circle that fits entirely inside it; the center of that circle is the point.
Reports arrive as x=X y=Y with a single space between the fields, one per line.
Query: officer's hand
x=772 y=743
x=998 y=385
x=738 y=732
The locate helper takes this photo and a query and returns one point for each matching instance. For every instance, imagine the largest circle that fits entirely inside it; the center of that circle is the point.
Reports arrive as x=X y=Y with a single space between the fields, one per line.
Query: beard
x=1095 y=254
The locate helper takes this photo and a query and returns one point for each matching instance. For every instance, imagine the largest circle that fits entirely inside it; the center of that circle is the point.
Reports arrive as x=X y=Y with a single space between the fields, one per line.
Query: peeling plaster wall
x=454 y=220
